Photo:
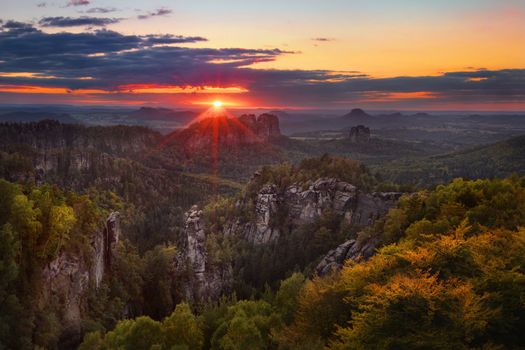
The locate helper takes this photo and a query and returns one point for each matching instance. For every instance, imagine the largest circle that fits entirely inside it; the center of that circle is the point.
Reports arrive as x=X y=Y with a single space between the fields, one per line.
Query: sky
x=331 y=54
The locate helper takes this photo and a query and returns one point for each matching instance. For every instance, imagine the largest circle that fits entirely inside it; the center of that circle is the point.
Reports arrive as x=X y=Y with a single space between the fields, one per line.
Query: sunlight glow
x=217 y=104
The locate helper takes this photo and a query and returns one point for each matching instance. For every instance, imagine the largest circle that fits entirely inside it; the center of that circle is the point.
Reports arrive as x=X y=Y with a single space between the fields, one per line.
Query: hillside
x=495 y=160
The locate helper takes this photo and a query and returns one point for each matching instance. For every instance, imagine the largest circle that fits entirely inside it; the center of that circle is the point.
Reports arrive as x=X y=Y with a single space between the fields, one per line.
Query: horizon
x=391 y=55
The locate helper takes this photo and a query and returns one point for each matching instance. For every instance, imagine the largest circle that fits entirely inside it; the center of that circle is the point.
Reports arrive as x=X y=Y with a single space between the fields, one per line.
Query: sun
x=217 y=104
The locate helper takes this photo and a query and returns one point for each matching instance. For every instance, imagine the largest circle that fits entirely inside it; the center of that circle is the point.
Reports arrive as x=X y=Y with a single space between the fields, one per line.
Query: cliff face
x=351 y=249
x=359 y=134
x=67 y=153
x=68 y=277
x=199 y=280
x=261 y=222
x=227 y=131
x=304 y=206
x=104 y=245
x=265 y=126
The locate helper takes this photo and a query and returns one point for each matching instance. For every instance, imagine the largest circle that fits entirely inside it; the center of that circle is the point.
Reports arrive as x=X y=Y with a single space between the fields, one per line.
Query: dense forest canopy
x=449 y=275
x=445 y=270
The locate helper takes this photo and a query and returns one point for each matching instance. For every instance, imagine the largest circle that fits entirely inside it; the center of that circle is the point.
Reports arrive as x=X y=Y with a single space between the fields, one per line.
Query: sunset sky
x=382 y=54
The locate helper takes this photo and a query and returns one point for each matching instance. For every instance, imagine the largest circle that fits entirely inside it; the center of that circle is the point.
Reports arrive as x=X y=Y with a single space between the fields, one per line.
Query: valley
x=228 y=208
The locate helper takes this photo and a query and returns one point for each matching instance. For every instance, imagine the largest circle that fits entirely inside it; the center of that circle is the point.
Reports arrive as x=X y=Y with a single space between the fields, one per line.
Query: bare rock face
x=104 y=245
x=199 y=280
x=304 y=206
x=351 y=249
x=267 y=126
x=359 y=134
x=229 y=131
x=196 y=250
x=67 y=278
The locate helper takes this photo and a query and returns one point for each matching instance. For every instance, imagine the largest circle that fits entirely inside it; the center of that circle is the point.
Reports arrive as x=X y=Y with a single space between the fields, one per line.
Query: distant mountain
x=162 y=114
x=26 y=117
x=357 y=115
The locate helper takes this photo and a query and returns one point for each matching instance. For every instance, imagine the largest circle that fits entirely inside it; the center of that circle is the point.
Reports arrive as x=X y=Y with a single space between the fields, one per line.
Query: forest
x=262 y=175
x=447 y=271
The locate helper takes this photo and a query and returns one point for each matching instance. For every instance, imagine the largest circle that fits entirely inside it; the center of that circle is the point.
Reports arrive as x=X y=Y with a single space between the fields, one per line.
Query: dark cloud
x=102 y=10
x=113 y=60
x=21 y=42
x=170 y=39
x=159 y=12
x=78 y=21
x=14 y=26
x=78 y=2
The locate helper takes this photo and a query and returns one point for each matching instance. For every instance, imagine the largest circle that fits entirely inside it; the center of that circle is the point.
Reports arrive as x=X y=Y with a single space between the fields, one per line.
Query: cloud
x=159 y=12
x=102 y=10
x=75 y=22
x=21 y=42
x=110 y=61
x=78 y=2
x=321 y=39
x=41 y=4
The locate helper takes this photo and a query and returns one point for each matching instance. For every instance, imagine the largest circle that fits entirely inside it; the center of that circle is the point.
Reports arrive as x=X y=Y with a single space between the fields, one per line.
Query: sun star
x=217 y=104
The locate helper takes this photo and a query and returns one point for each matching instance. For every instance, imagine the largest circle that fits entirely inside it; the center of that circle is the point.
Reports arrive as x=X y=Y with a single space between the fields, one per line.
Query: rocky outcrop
x=359 y=134
x=104 y=245
x=67 y=278
x=198 y=279
x=226 y=131
x=73 y=156
x=303 y=206
x=265 y=126
x=351 y=249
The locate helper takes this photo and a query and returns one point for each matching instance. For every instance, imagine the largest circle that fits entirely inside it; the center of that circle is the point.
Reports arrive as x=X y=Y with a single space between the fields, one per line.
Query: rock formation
x=227 y=132
x=265 y=126
x=351 y=249
x=198 y=279
x=303 y=206
x=359 y=134
x=67 y=277
x=104 y=244
x=296 y=205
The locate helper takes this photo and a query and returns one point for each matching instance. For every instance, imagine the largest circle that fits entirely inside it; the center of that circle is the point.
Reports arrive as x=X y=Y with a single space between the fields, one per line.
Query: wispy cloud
x=78 y=21
x=163 y=11
x=102 y=10
x=323 y=39
x=78 y=2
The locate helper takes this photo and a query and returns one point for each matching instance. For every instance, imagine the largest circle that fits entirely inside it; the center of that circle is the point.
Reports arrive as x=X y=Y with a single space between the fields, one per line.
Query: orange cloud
x=377 y=96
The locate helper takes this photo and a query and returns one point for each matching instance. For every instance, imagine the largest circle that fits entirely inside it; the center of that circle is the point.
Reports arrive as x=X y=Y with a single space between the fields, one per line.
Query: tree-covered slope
x=496 y=160
x=449 y=275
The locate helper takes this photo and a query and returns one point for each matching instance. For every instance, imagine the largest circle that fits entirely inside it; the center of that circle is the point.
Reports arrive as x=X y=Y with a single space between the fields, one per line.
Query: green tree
x=183 y=329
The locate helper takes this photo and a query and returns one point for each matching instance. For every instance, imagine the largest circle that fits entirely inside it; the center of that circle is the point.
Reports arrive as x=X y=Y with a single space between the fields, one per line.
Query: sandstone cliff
x=226 y=131
x=67 y=278
x=199 y=280
x=303 y=206
x=270 y=214
x=351 y=249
